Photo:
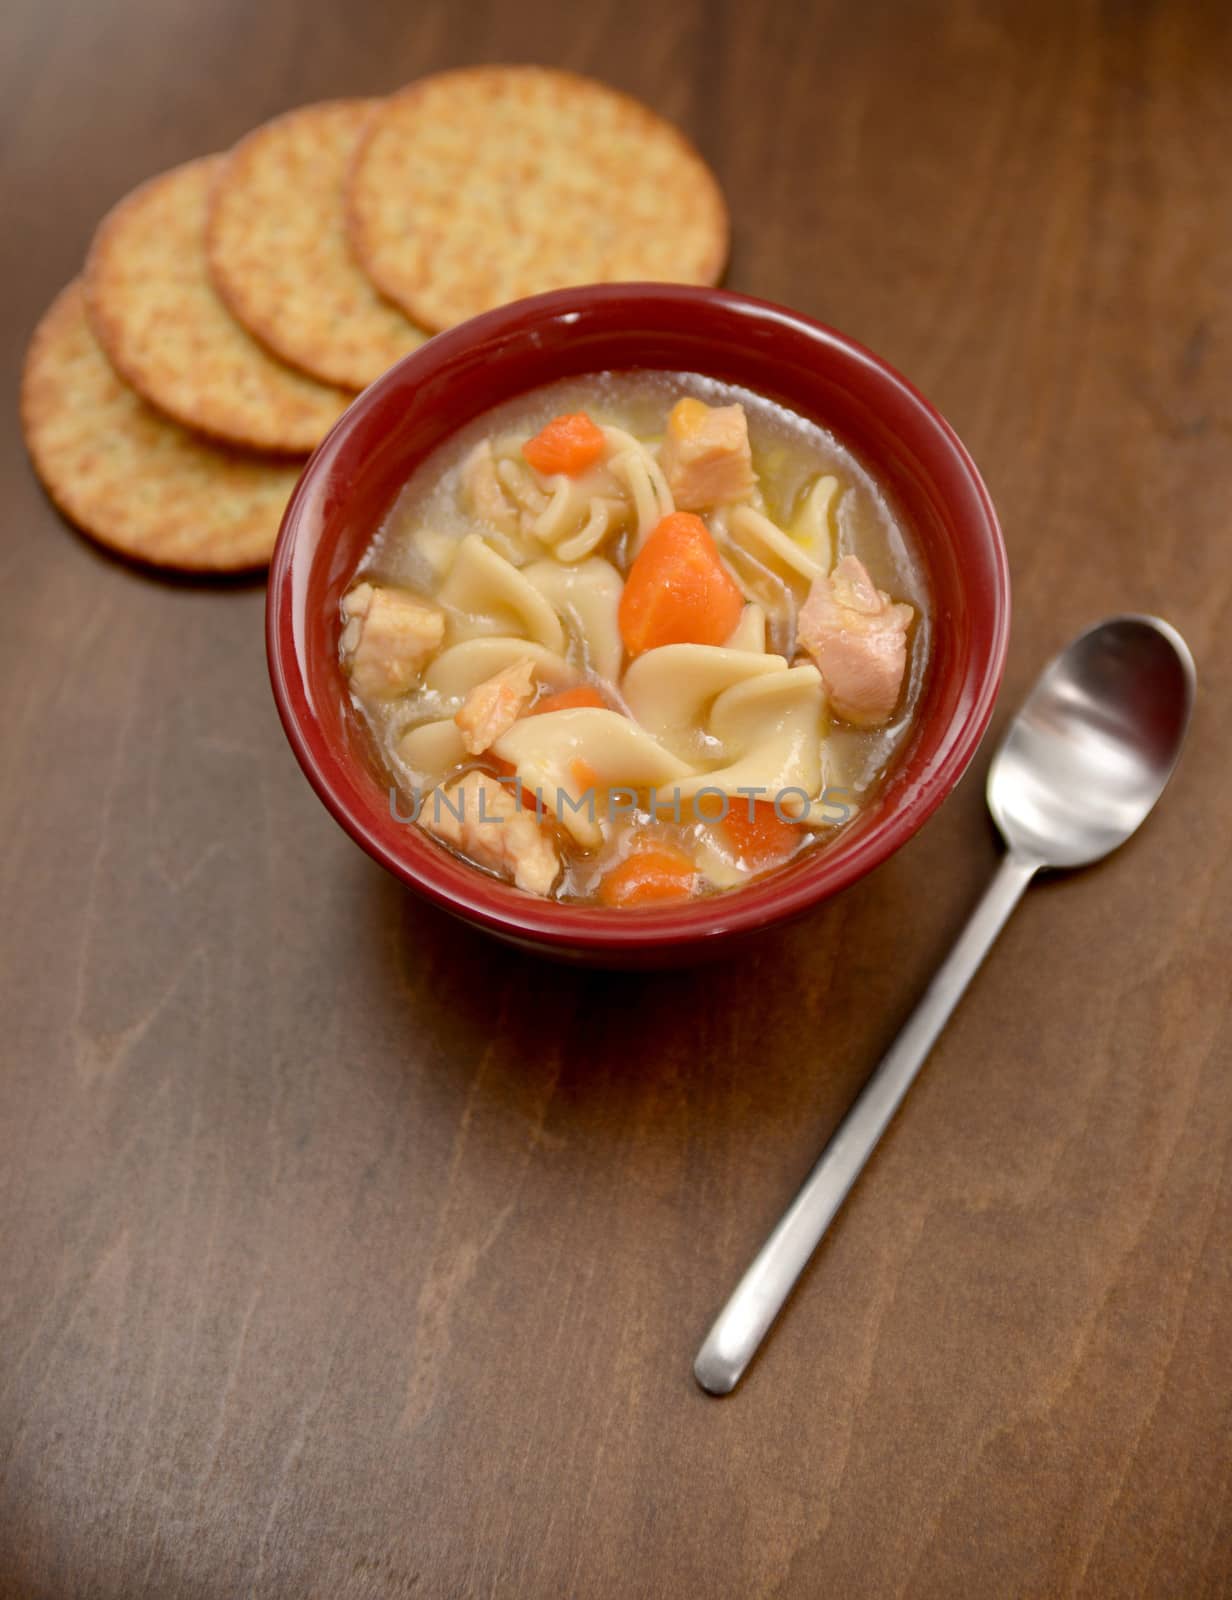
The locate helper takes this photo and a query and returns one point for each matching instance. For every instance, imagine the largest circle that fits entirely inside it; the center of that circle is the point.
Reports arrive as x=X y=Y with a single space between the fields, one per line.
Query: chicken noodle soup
x=636 y=638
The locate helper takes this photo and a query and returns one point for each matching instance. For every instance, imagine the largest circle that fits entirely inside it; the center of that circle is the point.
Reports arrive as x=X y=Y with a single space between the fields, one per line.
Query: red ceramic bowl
x=353 y=478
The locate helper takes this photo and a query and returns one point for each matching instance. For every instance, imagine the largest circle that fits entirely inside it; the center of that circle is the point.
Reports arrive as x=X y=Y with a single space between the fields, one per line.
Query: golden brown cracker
x=156 y=313
x=128 y=476
x=278 y=251
x=473 y=188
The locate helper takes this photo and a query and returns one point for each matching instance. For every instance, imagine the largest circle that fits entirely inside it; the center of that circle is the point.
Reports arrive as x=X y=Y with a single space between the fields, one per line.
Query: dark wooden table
x=346 y=1254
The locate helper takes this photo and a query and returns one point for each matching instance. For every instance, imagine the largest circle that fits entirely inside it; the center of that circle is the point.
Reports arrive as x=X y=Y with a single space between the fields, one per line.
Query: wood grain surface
x=345 y=1254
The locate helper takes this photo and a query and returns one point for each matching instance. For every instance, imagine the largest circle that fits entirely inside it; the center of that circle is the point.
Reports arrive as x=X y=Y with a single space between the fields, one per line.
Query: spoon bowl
x=1089 y=753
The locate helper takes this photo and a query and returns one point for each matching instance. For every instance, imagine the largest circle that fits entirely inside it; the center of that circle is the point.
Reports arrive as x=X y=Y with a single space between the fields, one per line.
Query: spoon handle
x=758 y=1297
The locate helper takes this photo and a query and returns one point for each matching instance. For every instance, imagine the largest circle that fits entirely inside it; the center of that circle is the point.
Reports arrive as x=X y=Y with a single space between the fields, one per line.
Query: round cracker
x=157 y=315
x=128 y=476
x=278 y=251
x=473 y=188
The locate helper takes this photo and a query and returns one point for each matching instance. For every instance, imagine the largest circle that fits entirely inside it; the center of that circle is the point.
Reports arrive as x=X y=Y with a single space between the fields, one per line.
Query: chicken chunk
x=388 y=636
x=857 y=636
x=479 y=817
x=493 y=706
x=706 y=457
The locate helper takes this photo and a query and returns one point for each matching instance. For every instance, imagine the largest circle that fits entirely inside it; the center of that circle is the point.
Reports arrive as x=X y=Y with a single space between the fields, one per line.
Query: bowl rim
x=499 y=907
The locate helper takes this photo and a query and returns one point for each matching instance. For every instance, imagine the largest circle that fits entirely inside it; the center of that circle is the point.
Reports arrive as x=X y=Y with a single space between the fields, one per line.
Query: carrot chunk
x=654 y=873
x=570 y=444
x=570 y=700
x=678 y=591
x=765 y=839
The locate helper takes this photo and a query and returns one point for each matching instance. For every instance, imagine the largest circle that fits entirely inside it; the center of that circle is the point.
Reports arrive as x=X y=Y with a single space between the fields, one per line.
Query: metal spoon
x=1080 y=767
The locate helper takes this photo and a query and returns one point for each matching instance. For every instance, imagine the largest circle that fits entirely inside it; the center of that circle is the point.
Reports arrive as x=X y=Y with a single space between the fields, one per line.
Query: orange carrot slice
x=569 y=700
x=655 y=873
x=678 y=591
x=766 y=839
x=570 y=444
